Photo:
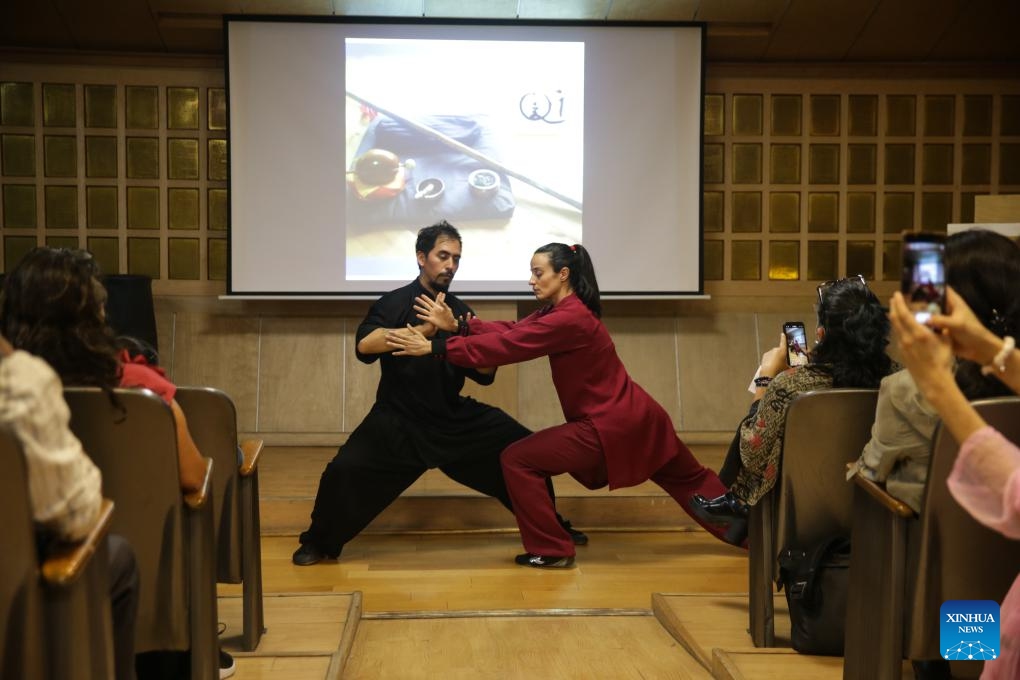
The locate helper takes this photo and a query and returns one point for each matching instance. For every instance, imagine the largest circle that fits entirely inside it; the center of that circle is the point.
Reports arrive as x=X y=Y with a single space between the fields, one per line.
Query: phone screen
x=924 y=275
x=796 y=343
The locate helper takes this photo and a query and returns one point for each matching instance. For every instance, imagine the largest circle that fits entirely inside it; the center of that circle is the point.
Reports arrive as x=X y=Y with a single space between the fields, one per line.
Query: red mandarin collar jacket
x=637 y=435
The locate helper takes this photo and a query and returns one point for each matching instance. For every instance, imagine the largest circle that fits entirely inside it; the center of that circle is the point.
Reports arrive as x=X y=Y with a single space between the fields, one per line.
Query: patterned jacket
x=761 y=435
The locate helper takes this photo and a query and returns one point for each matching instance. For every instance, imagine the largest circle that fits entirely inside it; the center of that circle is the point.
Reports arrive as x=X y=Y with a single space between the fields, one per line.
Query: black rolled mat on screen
x=432 y=159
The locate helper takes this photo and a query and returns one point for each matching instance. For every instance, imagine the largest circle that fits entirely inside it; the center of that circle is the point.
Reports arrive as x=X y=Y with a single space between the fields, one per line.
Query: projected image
x=926 y=289
x=485 y=134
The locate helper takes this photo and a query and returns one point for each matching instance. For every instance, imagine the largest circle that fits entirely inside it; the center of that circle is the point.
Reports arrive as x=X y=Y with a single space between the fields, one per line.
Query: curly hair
x=852 y=348
x=52 y=306
x=983 y=268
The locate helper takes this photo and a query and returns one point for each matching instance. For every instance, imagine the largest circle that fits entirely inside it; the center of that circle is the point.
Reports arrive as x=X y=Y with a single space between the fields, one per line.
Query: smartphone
x=796 y=343
x=923 y=282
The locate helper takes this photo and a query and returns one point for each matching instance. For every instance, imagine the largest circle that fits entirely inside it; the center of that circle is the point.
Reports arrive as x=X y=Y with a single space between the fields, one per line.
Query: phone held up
x=796 y=343
x=923 y=282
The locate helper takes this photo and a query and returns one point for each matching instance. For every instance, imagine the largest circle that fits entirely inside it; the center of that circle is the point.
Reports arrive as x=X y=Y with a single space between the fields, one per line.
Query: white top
x=64 y=485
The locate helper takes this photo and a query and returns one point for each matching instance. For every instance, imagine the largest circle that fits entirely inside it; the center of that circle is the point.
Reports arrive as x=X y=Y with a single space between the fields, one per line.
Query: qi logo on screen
x=548 y=109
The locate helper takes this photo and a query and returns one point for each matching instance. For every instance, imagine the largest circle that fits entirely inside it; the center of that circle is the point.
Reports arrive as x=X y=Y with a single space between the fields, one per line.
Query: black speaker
x=129 y=309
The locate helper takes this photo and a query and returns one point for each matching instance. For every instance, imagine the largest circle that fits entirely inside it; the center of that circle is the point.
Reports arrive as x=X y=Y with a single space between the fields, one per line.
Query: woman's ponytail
x=582 y=272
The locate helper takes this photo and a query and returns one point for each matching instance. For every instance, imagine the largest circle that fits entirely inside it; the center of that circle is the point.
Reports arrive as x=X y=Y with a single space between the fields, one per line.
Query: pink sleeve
x=986 y=481
x=143 y=375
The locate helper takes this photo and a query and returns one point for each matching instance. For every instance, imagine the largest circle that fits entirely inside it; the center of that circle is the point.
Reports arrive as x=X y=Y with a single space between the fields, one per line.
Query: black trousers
x=123 y=576
x=378 y=463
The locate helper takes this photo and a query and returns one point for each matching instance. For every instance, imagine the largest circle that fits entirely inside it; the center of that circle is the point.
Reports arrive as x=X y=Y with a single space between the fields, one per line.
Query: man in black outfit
x=419 y=419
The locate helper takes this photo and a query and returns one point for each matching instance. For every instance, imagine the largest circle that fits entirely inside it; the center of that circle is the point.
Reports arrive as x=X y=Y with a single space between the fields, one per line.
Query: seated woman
x=985 y=479
x=853 y=332
x=615 y=433
x=53 y=306
x=983 y=267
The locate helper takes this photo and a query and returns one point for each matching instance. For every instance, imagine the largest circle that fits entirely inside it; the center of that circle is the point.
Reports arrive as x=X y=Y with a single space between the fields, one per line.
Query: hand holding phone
x=923 y=281
x=796 y=343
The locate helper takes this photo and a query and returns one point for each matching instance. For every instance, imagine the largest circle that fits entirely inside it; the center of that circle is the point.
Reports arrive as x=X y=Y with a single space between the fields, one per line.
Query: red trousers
x=575 y=448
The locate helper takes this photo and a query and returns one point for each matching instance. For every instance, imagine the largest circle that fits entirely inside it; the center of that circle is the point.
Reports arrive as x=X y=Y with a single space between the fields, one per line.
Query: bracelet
x=999 y=362
x=762 y=381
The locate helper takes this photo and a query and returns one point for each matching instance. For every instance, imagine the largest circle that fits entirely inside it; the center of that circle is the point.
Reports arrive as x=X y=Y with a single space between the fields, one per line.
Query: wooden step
x=289 y=478
x=713 y=628
x=526 y=646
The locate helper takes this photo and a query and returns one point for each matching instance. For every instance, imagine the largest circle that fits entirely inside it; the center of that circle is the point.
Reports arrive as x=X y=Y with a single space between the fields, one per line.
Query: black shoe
x=726 y=512
x=727 y=506
x=307 y=555
x=529 y=560
x=227 y=667
x=578 y=537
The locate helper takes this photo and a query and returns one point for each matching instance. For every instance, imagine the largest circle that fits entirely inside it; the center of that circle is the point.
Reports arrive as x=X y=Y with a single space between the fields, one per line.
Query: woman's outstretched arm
x=535 y=336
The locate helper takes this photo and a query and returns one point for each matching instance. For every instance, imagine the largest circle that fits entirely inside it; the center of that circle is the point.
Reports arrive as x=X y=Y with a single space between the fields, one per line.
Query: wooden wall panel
x=220 y=352
x=300 y=375
x=717 y=357
x=360 y=380
x=994 y=209
x=165 y=338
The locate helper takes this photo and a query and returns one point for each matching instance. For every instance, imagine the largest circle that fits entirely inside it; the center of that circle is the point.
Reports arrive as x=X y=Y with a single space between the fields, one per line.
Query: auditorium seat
x=54 y=616
x=212 y=421
x=825 y=429
x=903 y=567
x=131 y=436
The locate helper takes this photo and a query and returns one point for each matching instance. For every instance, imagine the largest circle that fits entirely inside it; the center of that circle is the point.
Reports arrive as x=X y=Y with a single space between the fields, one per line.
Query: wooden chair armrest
x=196 y=499
x=67 y=561
x=251 y=450
x=893 y=505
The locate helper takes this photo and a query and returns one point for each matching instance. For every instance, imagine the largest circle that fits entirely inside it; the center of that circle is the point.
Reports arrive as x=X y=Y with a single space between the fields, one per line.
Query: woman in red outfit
x=615 y=433
x=53 y=307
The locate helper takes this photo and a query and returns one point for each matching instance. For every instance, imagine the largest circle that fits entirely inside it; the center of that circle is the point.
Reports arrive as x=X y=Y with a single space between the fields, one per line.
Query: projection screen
x=346 y=137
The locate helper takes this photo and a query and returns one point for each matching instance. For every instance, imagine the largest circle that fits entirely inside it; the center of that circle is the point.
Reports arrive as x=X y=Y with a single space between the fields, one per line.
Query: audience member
x=983 y=268
x=852 y=336
x=986 y=475
x=64 y=485
x=53 y=306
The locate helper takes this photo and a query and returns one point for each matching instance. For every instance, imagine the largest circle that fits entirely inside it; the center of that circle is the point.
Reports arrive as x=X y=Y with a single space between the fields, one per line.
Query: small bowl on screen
x=429 y=189
x=484 y=182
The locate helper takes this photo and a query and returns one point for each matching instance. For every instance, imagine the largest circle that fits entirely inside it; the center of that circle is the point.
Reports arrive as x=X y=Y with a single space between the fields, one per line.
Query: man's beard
x=441 y=286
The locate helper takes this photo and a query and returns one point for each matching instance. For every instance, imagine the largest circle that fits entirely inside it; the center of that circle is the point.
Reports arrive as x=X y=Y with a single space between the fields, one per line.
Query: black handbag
x=816 y=581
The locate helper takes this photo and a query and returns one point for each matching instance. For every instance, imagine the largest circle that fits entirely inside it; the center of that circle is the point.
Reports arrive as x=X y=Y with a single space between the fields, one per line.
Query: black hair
x=52 y=306
x=427 y=236
x=856 y=334
x=983 y=268
x=582 y=272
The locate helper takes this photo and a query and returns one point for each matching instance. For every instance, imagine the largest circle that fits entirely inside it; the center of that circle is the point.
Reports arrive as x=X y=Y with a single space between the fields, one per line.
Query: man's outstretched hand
x=436 y=312
x=408 y=342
